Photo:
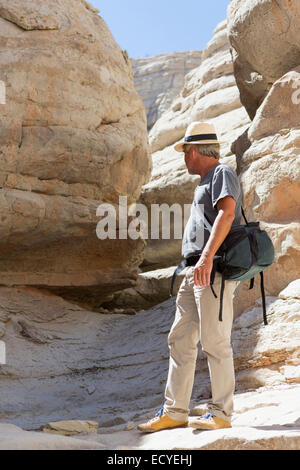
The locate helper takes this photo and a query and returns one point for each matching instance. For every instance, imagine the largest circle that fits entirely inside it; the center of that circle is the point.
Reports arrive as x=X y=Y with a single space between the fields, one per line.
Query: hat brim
x=180 y=146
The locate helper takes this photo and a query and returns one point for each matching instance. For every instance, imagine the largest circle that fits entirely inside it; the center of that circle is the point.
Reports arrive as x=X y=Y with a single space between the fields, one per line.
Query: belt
x=191 y=261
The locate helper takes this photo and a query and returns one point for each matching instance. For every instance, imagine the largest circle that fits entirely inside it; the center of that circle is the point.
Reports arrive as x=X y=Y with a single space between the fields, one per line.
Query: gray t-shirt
x=217 y=183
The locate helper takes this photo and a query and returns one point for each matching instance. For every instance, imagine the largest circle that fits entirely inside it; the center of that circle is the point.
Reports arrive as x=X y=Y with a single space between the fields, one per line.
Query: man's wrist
x=207 y=255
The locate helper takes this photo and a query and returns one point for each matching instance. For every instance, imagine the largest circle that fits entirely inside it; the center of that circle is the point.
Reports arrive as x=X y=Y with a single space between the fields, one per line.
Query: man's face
x=189 y=159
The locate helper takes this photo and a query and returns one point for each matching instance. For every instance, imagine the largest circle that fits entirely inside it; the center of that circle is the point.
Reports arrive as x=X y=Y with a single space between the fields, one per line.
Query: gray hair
x=208 y=150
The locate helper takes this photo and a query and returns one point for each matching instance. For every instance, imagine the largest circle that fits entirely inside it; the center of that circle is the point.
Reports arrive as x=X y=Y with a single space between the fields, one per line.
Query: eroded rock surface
x=269 y=167
x=209 y=94
x=159 y=79
x=265 y=41
x=73 y=135
x=68 y=363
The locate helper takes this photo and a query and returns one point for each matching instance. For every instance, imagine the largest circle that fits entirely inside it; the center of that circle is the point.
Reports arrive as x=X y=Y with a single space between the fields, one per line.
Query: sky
x=151 y=27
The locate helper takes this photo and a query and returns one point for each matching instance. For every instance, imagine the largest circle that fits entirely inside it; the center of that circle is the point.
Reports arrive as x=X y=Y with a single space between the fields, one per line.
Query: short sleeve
x=225 y=183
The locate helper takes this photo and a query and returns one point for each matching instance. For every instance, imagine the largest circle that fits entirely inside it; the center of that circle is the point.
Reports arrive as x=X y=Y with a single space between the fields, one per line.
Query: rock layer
x=264 y=35
x=82 y=365
x=71 y=427
x=209 y=94
x=270 y=179
x=14 y=438
x=73 y=135
x=160 y=79
x=264 y=419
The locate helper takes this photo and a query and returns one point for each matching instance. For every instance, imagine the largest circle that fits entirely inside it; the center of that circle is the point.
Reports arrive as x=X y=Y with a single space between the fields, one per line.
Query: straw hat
x=198 y=133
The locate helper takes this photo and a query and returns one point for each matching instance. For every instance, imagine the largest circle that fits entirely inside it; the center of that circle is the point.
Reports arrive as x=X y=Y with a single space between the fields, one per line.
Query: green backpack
x=246 y=251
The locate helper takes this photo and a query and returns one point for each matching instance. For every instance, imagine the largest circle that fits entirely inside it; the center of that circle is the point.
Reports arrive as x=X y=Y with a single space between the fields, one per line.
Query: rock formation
x=265 y=42
x=68 y=367
x=67 y=363
x=209 y=94
x=264 y=419
x=73 y=134
x=71 y=427
x=160 y=79
x=268 y=151
x=14 y=438
x=265 y=152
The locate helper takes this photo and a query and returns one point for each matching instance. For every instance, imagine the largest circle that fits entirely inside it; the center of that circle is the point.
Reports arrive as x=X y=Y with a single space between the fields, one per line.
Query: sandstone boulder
x=14 y=438
x=73 y=134
x=270 y=179
x=265 y=41
x=209 y=94
x=71 y=427
x=152 y=288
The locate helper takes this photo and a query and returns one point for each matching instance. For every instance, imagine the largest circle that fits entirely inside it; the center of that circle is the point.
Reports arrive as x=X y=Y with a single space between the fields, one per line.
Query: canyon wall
x=73 y=134
x=264 y=38
x=209 y=94
x=160 y=79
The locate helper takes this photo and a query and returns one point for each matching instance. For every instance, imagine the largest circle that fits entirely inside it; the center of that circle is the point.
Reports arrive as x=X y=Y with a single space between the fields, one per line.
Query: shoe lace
x=160 y=413
x=208 y=416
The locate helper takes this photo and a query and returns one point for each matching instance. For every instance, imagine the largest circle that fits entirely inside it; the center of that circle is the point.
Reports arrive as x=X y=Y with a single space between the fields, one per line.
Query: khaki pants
x=197 y=319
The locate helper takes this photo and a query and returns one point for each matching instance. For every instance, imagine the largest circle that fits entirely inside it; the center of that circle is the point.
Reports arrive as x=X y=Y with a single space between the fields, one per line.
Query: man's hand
x=220 y=228
x=202 y=270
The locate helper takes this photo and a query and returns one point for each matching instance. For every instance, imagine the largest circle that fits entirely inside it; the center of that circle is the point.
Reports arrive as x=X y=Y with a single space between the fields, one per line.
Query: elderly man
x=196 y=317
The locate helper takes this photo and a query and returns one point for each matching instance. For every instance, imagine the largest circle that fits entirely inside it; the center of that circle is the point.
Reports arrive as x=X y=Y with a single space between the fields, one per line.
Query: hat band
x=193 y=138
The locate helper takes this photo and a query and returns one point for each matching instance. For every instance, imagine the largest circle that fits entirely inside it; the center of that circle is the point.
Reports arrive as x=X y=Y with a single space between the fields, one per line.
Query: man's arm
x=220 y=229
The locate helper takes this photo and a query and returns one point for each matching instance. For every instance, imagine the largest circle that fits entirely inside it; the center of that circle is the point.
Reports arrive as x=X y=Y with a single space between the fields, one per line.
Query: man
x=196 y=317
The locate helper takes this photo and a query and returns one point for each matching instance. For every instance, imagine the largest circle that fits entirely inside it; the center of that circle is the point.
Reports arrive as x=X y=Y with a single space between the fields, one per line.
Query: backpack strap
x=244 y=215
x=178 y=270
x=212 y=276
x=213 y=291
x=251 y=285
x=190 y=261
x=263 y=297
x=221 y=297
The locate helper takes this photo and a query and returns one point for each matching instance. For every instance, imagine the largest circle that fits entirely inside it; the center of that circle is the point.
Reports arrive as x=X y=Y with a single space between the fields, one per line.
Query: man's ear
x=193 y=152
